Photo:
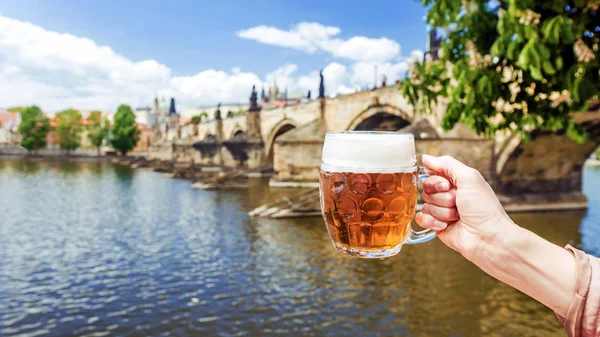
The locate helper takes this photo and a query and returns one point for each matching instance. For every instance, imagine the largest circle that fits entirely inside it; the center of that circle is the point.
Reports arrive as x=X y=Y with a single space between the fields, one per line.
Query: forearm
x=532 y=265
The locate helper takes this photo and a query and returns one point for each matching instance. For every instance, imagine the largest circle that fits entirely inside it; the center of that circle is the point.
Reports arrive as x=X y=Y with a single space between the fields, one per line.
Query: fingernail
x=439 y=224
x=442 y=187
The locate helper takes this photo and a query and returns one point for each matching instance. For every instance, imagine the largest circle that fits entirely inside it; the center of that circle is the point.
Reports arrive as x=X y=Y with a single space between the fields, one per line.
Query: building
x=9 y=128
x=275 y=99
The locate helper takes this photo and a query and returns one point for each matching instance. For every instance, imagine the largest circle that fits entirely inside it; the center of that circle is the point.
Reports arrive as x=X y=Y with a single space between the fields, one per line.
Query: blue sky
x=195 y=41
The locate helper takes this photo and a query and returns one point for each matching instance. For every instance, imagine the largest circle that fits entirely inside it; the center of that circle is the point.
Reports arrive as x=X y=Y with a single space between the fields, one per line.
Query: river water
x=88 y=248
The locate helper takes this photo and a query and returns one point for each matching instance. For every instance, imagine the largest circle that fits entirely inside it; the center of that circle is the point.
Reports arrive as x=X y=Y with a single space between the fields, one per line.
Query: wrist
x=499 y=239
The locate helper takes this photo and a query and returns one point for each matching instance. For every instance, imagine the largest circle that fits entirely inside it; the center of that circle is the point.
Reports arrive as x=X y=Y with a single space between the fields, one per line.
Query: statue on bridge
x=321 y=86
x=253 y=100
x=218 y=112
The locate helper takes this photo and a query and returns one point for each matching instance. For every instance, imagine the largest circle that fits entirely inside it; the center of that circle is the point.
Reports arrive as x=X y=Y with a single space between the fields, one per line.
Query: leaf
x=558 y=62
x=510 y=51
x=497 y=48
x=548 y=68
x=524 y=57
x=536 y=73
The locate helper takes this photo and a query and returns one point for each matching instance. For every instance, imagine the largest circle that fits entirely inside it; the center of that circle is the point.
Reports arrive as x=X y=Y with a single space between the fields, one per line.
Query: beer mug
x=368 y=190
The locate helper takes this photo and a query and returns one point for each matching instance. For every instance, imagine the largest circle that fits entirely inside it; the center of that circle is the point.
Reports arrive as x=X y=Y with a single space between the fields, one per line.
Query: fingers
x=446 y=214
x=457 y=172
x=436 y=184
x=444 y=199
x=428 y=221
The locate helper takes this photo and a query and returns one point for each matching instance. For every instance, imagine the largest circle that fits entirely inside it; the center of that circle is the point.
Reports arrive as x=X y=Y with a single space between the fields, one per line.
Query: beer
x=368 y=189
x=369 y=211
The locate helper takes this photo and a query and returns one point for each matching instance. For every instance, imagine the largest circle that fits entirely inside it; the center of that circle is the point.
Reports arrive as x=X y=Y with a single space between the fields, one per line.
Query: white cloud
x=282 y=76
x=313 y=36
x=211 y=87
x=360 y=48
x=57 y=70
x=363 y=73
x=304 y=36
x=60 y=70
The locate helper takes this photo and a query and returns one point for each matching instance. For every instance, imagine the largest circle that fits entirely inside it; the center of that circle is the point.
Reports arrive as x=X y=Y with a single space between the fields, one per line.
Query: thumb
x=448 y=167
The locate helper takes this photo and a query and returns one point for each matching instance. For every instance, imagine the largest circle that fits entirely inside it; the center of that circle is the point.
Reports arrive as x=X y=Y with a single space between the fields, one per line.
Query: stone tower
x=173 y=116
x=434 y=44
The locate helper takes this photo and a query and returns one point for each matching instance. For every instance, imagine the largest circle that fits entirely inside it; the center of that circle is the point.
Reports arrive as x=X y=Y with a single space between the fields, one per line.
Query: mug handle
x=424 y=235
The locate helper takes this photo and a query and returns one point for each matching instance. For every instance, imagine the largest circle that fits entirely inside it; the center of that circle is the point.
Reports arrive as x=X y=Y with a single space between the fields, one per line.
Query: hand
x=461 y=206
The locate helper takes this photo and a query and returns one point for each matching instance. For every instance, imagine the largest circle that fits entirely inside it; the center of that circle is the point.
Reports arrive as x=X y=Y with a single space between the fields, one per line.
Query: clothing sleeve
x=583 y=315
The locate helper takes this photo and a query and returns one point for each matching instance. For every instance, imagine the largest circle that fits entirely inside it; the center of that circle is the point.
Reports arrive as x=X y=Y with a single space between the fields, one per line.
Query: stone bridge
x=288 y=140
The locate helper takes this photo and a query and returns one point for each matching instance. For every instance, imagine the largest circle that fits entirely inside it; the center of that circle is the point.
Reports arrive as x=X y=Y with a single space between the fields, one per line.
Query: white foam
x=369 y=151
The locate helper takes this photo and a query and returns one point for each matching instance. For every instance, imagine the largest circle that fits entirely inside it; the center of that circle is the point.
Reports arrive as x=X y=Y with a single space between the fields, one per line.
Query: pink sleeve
x=583 y=315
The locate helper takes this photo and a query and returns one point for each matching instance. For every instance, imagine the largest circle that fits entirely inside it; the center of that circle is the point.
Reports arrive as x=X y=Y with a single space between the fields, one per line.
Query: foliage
x=95 y=117
x=510 y=65
x=18 y=109
x=197 y=119
x=124 y=133
x=98 y=130
x=33 y=128
x=68 y=129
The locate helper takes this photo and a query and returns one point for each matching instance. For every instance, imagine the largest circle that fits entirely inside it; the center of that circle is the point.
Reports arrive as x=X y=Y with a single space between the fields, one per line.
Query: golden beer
x=368 y=189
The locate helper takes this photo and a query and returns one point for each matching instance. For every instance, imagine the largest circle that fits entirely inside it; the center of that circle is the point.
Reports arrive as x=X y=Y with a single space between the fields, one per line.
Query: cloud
x=312 y=36
x=60 y=70
x=304 y=36
x=55 y=69
x=363 y=73
x=211 y=87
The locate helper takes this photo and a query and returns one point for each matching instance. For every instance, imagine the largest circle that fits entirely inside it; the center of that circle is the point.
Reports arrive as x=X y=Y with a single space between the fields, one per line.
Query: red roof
x=8 y=117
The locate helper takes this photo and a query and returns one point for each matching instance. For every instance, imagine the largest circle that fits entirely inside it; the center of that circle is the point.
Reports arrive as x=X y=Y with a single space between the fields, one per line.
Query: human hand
x=461 y=206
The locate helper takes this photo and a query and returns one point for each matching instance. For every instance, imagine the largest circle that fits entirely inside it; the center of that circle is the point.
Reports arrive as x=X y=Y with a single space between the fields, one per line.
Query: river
x=92 y=249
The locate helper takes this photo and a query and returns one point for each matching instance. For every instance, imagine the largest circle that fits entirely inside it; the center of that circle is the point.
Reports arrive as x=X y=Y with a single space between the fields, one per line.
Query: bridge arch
x=236 y=132
x=380 y=117
x=279 y=129
x=548 y=163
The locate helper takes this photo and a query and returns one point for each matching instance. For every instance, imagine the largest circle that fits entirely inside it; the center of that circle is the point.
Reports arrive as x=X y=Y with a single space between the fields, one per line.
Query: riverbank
x=300 y=204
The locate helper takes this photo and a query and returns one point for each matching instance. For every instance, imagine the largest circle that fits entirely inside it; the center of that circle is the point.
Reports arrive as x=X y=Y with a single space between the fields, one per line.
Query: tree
x=512 y=65
x=68 y=129
x=124 y=133
x=18 y=109
x=98 y=130
x=33 y=128
x=197 y=119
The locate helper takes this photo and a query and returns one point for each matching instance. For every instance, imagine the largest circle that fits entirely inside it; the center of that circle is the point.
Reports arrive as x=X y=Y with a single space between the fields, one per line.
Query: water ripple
x=89 y=249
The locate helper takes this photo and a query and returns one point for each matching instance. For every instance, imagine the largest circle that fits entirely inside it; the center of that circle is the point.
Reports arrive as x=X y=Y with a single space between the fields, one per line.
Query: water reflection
x=90 y=248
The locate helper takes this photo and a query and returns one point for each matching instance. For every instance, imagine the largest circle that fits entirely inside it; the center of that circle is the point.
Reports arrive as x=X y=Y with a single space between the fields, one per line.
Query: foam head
x=368 y=151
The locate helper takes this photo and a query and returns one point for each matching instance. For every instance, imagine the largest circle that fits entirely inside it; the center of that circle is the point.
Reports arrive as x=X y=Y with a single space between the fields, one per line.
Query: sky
x=97 y=55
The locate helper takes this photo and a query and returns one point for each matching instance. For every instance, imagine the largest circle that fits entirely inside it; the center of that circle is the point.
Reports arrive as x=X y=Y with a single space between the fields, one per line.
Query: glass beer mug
x=368 y=190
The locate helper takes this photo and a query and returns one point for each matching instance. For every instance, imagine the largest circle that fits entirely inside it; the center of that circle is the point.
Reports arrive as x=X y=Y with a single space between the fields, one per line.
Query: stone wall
x=477 y=153
x=161 y=151
x=342 y=110
x=297 y=161
x=549 y=163
x=300 y=161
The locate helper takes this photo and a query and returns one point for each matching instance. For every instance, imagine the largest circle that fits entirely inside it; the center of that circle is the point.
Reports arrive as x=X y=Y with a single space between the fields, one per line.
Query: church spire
x=172 y=110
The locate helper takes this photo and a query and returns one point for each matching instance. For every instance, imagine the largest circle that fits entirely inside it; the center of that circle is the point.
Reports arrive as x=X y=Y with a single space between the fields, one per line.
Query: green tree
x=510 y=65
x=17 y=109
x=98 y=130
x=124 y=133
x=33 y=128
x=197 y=119
x=68 y=129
